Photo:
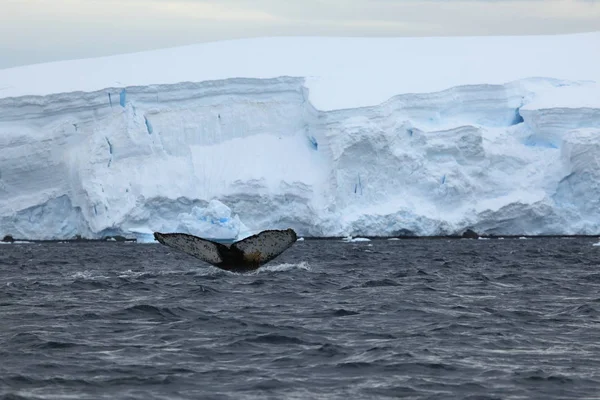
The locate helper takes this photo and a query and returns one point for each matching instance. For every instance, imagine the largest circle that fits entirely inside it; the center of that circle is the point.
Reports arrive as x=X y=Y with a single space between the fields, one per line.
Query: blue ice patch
x=148 y=126
x=123 y=97
x=533 y=141
x=313 y=142
x=518 y=118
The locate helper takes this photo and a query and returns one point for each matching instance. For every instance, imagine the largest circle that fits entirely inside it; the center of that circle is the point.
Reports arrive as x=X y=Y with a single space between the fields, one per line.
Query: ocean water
x=415 y=319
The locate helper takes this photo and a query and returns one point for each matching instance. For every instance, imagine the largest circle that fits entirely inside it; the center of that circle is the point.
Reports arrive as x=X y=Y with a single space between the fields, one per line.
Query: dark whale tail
x=245 y=255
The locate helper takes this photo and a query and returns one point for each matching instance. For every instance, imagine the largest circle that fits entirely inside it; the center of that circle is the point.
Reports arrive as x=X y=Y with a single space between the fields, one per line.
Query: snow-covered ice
x=329 y=136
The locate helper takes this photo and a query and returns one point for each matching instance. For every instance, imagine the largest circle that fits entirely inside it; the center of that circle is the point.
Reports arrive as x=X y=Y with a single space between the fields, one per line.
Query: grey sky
x=33 y=31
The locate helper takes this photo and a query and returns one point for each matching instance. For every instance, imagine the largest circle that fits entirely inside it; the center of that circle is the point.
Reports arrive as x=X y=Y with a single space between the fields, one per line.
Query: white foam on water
x=82 y=275
x=131 y=274
x=303 y=265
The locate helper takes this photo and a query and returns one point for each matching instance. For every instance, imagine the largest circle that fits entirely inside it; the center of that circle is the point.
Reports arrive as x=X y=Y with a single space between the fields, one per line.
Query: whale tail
x=246 y=254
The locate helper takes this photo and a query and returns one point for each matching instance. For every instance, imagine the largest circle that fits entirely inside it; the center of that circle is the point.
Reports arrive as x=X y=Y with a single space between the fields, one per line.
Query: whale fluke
x=245 y=255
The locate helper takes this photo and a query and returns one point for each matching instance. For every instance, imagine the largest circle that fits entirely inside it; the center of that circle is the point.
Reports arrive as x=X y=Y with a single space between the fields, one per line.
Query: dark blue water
x=420 y=319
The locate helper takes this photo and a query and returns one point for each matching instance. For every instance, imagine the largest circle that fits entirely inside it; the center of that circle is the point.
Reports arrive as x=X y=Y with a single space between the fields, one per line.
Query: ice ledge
x=424 y=163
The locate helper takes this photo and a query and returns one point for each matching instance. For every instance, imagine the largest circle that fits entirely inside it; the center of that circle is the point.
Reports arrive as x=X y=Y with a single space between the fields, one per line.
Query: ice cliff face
x=230 y=157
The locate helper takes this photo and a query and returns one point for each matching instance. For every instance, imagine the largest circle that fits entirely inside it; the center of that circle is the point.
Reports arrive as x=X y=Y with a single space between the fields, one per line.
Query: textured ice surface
x=499 y=135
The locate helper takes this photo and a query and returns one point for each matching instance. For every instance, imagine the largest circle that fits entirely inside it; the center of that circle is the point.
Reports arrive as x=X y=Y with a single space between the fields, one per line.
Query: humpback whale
x=244 y=255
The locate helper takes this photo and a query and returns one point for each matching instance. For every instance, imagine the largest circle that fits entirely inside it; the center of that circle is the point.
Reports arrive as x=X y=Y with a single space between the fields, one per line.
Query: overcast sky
x=33 y=31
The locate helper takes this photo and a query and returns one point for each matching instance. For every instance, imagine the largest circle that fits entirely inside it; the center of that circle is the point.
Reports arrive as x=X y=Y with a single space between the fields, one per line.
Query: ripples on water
x=432 y=319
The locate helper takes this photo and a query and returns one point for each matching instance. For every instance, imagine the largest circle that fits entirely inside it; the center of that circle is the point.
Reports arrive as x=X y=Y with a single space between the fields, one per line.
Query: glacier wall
x=517 y=158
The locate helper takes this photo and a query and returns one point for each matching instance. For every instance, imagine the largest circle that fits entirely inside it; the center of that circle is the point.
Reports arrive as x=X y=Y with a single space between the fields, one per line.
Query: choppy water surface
x=413 y=318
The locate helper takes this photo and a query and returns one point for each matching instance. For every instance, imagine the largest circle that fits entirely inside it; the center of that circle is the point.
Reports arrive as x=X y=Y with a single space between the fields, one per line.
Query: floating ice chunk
x=350 y=239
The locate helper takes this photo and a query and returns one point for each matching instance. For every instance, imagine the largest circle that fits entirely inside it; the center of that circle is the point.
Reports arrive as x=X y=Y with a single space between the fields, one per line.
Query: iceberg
x=329 y=136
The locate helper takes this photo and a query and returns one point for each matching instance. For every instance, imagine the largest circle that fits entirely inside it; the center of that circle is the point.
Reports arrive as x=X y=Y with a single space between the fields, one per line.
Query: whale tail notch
x=247 y=254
